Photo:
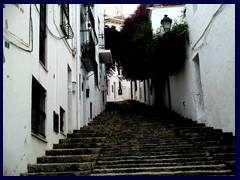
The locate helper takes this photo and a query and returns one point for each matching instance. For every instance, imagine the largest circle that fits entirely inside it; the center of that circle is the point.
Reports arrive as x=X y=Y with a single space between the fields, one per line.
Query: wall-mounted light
x=74 y=86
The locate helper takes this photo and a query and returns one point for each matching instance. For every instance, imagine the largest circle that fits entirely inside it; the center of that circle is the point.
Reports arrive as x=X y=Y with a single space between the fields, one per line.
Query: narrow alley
x=130 y=138
x=119 y=89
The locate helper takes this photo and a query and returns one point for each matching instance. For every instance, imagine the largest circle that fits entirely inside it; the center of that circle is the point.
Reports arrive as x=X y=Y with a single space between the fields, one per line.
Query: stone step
x=215 y=135
x=79 y=151
x=146 y=140
x=67 y=159
x=60 y=167
x=92 y=129
x=147 y=143
x=77 y=145
x=161 y=169
x=155 y=159
x=231 y=165
x=89 y=127
x=220 y=149
x=204 y=143
x=130 y=152
x=194 y=128
x=197 y=138
x=83 y=140
x=175 y=173
x=147 y=146
x=154 y=164
x=79 y=135
x=68 y=173
x=164 y=156
x=223 y=157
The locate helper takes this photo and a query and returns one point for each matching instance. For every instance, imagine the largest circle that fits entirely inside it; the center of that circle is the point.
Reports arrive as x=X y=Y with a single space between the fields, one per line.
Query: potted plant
x=87 y=49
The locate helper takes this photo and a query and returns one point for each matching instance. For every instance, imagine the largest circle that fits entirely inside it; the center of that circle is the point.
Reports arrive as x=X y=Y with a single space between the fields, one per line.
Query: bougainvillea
x=143 y=56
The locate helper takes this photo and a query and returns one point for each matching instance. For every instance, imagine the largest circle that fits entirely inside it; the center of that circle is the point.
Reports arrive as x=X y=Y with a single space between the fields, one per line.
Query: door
x=69 y=83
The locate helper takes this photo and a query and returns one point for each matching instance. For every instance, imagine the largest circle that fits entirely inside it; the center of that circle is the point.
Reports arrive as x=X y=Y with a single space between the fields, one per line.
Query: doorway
x=199 y=98
x=69 y=84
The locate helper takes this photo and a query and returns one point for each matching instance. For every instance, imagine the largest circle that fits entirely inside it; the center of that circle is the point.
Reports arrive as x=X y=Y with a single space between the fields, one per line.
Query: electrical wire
x=214 y=15
x=54 y=36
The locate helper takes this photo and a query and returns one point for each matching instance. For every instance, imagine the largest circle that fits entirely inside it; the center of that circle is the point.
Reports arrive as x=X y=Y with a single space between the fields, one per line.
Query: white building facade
x=205 y=90
x=143 y=91
x=48 y=91
x=118 y=89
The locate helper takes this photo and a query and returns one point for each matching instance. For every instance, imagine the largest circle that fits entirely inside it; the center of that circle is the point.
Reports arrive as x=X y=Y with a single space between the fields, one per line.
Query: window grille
x=62 y=112
x=55 y=122
x=38 y=108
x=42 y=33
x=65 y=26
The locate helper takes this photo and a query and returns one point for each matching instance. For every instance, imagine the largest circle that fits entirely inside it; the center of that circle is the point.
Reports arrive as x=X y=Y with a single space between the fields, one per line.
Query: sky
x=127 y=9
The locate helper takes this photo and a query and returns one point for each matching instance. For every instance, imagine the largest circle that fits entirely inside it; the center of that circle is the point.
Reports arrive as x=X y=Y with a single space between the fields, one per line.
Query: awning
x=105 y=56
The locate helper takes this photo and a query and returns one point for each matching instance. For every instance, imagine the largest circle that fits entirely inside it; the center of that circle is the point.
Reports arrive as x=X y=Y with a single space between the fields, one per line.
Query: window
x=42 y=34
x=38 y=109
x=90 y=110
x=135 y=83
x=120 y=88
x=79 y=84
x=65 y=23
x=62 y=116
x=87 y=93
x=95 y=72
x=55 y=122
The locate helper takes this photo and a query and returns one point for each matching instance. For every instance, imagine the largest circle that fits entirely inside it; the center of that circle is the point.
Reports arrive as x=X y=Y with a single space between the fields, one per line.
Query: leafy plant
x=87 y=49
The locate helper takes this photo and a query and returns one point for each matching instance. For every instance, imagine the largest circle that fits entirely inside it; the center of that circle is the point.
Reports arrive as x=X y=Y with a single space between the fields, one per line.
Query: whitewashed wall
x=126 y=88
x=212 y=43
x=20 y=146
x=143 y=93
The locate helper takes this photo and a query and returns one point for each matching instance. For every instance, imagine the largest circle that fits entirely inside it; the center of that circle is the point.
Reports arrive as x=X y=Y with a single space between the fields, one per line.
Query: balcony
x=88 y=56
x=105 y=56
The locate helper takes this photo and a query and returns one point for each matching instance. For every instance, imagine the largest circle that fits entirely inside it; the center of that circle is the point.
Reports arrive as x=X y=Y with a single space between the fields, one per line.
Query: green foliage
x=87 y=46
x=169 y=49
x=143 y=55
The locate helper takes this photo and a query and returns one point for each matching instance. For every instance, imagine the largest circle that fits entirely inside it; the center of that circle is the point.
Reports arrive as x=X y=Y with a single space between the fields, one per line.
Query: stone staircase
x=137 y=141
x=77 y=154
x=169 y=145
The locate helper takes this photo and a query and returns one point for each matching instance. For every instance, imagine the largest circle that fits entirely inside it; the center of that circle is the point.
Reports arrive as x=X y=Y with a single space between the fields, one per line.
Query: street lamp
x=166 y=23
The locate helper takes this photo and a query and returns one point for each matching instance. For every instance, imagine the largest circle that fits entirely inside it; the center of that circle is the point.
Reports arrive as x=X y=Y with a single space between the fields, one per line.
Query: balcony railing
x=91 y=26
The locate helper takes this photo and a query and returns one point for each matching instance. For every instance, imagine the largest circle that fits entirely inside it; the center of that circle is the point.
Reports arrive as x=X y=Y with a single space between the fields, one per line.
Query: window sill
x=62 y=133
x=38 y=137
x=44 y=67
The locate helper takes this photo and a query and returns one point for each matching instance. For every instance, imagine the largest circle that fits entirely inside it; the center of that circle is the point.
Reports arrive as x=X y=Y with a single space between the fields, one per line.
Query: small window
x=90 y=110
x=62 y=117
x=65 y=23
x=38 y=109
x=87 y=93
x=55 y=122
x=42 y=34
x=120 y=85
x=135 y=83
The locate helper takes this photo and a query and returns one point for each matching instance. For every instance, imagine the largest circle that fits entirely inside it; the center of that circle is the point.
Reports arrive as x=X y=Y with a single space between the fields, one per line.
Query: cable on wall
x=207 y=28
x=54 y=36
x=30 y=35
